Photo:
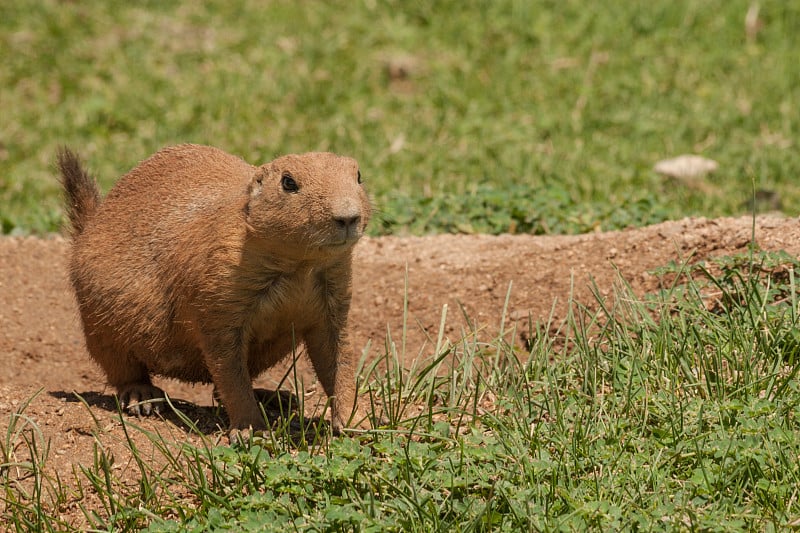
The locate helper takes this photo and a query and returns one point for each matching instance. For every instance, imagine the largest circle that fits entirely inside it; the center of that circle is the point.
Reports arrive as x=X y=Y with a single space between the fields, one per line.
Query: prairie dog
x=201 y=267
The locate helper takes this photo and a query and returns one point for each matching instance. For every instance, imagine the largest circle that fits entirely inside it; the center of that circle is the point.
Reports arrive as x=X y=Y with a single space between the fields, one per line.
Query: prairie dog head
x=313 y=202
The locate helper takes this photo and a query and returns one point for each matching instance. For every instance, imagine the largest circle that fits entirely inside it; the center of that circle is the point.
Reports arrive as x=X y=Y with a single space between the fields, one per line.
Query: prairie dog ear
x=257 y=182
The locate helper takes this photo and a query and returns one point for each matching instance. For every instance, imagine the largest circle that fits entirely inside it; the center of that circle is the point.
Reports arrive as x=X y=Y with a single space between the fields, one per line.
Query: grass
x=677 y=411
x=478 y=116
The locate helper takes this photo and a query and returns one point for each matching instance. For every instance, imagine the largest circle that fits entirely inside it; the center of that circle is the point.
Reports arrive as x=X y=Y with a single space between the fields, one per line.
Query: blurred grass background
x=472 y=116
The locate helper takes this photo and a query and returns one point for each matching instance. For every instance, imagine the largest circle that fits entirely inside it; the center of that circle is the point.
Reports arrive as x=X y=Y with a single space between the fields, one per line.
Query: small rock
x=686 y=166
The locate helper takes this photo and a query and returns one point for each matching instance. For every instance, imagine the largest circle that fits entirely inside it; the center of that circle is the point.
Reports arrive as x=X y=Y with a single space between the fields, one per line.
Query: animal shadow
x=280 y=406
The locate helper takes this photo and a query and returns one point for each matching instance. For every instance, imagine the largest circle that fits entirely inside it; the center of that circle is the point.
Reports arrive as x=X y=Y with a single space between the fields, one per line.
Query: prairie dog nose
x=347 y=214
x=347 y=222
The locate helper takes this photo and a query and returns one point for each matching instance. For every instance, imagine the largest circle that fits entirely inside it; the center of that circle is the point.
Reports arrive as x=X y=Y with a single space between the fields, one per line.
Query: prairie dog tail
x=82 y=194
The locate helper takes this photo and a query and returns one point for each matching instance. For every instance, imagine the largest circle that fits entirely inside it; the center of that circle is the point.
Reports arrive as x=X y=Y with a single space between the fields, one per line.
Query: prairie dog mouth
x=342 y=243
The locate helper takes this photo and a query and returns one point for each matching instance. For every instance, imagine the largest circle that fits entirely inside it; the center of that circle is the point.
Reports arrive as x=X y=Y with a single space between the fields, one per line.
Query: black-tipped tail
x=82 y=194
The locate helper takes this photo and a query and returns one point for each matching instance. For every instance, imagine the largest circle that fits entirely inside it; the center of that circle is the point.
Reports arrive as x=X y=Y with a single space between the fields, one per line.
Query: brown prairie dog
x=201 y=267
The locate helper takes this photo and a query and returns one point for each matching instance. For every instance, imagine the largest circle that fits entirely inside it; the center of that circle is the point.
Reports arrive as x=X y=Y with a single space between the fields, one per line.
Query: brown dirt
x=45 y=362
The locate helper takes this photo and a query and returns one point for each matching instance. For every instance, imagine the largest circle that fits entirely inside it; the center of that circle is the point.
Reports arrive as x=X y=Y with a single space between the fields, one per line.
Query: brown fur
x=201 y=267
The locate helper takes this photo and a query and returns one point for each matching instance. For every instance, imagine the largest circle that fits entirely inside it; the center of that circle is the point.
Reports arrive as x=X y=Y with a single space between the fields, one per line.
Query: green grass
x=678 y=411
x=528 y=116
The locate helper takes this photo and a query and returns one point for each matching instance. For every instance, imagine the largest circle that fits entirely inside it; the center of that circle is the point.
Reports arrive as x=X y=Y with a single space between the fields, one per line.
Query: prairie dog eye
x=288 y=183
x=359 y=176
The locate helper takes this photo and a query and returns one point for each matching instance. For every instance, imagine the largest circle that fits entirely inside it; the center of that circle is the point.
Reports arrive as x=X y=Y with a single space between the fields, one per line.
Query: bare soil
x=44 y=360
